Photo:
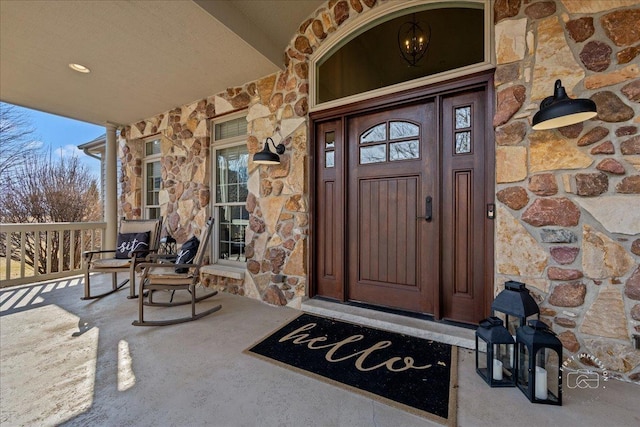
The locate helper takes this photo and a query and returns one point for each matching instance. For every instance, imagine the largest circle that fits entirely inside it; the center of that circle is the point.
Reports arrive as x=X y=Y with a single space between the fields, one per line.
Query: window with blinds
x=230 y=178
x=231 y=129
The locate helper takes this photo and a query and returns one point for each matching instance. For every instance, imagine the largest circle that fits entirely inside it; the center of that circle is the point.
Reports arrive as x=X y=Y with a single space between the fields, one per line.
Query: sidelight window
x=462 y=132
x=329 y=149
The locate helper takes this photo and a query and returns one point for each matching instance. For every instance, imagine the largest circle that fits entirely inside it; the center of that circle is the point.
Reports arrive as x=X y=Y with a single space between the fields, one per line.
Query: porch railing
x=43 y=251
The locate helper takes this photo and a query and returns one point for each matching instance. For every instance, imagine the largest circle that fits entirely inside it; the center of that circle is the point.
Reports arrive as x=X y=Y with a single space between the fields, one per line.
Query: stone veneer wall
x=568 y=222
x=184 y=147
x=278 y=198
x=277 y=201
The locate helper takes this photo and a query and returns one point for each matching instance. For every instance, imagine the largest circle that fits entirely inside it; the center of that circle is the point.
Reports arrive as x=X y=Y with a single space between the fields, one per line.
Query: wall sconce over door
x=560 y=110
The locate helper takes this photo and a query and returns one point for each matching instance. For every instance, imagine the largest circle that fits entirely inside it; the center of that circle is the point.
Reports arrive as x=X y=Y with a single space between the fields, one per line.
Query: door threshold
x=421 y=327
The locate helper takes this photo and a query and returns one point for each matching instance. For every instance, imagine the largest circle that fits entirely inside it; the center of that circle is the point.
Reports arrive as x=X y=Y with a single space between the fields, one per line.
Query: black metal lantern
x=539 y=374
x=515 y=301
x=495 y=353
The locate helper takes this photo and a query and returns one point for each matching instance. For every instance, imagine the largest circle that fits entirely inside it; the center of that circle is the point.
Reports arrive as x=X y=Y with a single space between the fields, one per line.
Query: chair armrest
x=144 y=265
x=186 y=266
x=90 y=254
x=161 y=257
x=138 y=252
x=103 y=251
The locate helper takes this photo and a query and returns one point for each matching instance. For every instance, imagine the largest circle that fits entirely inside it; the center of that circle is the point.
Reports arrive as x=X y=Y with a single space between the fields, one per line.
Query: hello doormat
x=415 y=374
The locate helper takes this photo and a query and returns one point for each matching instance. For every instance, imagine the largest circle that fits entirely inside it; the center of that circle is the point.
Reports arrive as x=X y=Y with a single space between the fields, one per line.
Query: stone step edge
x=222 y=271
x=425 y=329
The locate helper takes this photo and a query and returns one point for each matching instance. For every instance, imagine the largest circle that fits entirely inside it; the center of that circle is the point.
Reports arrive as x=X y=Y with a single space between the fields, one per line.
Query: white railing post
x=47 y=247
x=109 y=236
x=7 y=246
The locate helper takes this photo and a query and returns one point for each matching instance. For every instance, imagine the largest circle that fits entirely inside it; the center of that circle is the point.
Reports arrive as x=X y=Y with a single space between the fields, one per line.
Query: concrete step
x=421 y=328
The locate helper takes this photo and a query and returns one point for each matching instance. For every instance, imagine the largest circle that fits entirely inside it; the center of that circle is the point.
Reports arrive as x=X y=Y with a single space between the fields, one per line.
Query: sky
x=62 y=136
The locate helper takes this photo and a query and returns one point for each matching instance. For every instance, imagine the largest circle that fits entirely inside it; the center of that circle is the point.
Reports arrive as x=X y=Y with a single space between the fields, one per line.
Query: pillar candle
x=541 y=383
x=511 y=361
x=497 y=370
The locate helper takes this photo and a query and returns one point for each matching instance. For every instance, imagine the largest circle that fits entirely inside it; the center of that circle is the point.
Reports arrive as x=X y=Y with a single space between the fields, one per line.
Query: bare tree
x=17 y=143
x=41 y=191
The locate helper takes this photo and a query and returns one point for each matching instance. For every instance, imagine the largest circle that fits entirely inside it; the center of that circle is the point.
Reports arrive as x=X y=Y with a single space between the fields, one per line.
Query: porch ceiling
x=145 y=57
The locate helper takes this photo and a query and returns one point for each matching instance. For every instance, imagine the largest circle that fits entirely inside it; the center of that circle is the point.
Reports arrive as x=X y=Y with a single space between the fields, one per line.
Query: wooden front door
x=403 y=206
x=392 y=175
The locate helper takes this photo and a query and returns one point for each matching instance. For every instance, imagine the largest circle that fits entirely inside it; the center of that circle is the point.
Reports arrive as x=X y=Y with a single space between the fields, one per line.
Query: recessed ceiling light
x=79 y=68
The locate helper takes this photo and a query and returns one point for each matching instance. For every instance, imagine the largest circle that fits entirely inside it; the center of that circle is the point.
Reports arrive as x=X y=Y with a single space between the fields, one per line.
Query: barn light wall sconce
x=560 y=110
x=268 y=157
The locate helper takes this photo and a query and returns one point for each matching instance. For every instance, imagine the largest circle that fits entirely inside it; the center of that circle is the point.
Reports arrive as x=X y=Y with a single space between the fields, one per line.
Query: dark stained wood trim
x=311 y=179
x=437 y=296
x=490 y=196
x=404 y=97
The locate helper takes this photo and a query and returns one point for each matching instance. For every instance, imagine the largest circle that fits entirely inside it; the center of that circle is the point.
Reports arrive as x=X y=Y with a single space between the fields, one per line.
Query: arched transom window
x=368 y=60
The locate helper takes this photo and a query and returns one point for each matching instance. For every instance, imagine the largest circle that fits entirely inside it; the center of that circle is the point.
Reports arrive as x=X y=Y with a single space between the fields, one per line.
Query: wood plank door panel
x=388 y=246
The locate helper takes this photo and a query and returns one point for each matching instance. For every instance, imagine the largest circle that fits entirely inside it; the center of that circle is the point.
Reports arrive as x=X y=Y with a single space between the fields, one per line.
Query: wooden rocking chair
x=163 y=276
x=96 y=262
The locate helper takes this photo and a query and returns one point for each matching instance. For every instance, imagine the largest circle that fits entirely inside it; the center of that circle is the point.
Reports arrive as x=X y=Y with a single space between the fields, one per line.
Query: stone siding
x=568 y=215
x=223 y=284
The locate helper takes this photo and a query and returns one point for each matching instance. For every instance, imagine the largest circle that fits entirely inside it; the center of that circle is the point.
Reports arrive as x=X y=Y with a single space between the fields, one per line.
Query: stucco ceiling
x=145 y=57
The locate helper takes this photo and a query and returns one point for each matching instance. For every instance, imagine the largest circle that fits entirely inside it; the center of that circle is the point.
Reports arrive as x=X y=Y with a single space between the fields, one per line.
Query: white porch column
x=111 y=188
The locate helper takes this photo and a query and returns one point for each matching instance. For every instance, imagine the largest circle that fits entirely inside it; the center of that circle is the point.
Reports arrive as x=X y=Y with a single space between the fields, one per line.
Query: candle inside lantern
x=541 y=383
x=497 y=370
x=511 y=354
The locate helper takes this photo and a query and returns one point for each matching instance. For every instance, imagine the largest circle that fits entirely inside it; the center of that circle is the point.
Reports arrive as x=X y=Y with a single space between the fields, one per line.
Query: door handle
x=428 y=209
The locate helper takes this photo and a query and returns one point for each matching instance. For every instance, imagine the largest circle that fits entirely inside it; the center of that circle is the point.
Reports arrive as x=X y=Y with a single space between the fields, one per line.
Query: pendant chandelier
x=413 y=40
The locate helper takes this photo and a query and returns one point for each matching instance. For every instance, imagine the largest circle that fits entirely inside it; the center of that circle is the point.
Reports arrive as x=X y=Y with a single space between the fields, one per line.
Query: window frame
x=149 y=159
x=217 y=145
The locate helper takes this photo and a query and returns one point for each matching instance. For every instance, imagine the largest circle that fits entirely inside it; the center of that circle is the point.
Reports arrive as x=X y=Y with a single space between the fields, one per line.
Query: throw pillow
x=129 y=242
x=187 y=253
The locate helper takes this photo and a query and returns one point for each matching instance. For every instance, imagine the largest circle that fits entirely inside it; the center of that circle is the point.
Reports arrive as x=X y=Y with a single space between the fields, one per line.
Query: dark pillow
x=187 y=253
x=128 y=242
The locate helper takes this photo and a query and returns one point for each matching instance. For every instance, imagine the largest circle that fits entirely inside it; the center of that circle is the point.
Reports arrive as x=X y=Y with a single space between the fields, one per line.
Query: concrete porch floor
x=64 y=361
